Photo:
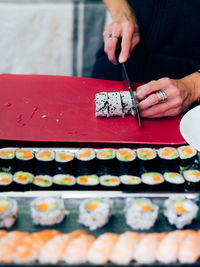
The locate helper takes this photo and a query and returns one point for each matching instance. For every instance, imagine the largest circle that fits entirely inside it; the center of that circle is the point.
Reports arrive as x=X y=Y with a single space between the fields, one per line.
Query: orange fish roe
x=3 y=208
x=27 y=154
x=146 y=208
x=92 y=206
x=180 y=209
x=87 y=153
x=4 y=153
x=5 y=180
x=68 y=179
x=167 y=151
x=43 y=206
x=64 y=156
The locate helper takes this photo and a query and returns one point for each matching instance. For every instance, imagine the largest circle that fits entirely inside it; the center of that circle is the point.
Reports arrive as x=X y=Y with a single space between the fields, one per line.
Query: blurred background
x=57 y=37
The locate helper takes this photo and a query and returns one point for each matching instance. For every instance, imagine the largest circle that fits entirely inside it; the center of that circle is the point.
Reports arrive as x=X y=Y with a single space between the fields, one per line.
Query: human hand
x=180 y=94
x=124 y=26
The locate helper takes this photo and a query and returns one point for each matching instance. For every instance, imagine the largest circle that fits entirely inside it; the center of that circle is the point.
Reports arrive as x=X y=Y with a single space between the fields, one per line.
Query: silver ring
x=112 y=35
x=162 y=96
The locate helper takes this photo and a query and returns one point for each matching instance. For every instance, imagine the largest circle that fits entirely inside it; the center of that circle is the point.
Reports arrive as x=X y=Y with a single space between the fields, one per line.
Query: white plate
x=190 y=127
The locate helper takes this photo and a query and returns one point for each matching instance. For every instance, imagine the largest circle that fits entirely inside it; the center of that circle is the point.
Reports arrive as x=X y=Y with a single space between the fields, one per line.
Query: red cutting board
x=62 y=109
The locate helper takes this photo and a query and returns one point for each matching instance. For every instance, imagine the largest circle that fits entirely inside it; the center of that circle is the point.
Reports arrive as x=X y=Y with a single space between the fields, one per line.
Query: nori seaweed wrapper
x=107 y=162
x=65 y=163
x=86 y=162
x=7 y=160
x=45 y=163
x=25 y=161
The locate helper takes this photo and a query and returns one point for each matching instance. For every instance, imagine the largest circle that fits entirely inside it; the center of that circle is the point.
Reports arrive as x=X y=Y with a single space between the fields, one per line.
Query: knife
x=127 y=82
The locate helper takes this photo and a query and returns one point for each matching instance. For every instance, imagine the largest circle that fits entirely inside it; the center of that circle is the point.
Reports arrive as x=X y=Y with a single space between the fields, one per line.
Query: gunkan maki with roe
x=106 y=160
x=45 y=163
x=86 y=161
x=25 y=160
x=147 y=160
x=65 y=163
x=169 y=159
x=127 y=163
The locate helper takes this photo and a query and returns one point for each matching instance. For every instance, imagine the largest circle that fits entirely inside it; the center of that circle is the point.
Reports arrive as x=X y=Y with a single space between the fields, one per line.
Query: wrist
x=192 y=82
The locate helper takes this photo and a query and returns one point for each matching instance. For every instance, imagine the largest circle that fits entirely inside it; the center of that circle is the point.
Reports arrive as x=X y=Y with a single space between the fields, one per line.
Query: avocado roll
x=88 y=182
x=130 y=182
x=63 y=181
x=65 y=163
x=106 y=161
x=8 y=212
x=7 y=160
x=6 y=181
x=169 y=159
x=95 y=213
x=86 y=161
x=192 y=177
x=153 y=181
x=174 y=181
x=127 y=163
x=45 y=163
x=25 y=160
x=140 y=213
x=180 y=211
x=109 y=181
x=42 y=182
x=47 y=211
x=147 y=160
x=22 y=180
x=187 y=155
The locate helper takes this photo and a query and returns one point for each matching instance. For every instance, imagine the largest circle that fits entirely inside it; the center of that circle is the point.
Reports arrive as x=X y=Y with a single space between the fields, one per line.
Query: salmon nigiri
x=100 y=250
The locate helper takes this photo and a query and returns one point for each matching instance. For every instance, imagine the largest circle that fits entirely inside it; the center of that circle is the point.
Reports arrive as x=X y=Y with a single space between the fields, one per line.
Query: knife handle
x=118 y=49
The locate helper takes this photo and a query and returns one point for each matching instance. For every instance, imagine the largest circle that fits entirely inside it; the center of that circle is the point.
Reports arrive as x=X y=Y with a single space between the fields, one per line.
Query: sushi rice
x=8 y=212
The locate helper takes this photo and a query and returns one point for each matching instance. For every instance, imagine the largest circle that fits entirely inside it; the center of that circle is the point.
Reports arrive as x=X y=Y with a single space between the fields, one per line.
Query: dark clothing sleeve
x=169 y=45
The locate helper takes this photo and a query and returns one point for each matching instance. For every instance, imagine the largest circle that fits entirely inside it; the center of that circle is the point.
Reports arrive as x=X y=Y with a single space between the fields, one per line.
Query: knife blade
x=127 y=83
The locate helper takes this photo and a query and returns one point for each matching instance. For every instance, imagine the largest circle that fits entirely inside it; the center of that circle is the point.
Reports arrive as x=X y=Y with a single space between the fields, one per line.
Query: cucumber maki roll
x=45 y=164
x=192 y=177
x=23 y=180
x=130 y=182
x=47 y=211
x=63 y=180
x=180 y=211
x=8 y=212
x=169 y=159
x=147 y=159
x=65 y=163
x=114 y=104
x=95 y=213
x=126 y=162
x=174 y=180
x=86 y=161
x=5 y=181
x=42 y=182
x=153 y=180
x=7 y=160
x=140 y=213
x=25 y=160
x=108 y=181
x=127 y=103
x=101 y=100
x=88 y=181
x=106 y=161
x=187 y=155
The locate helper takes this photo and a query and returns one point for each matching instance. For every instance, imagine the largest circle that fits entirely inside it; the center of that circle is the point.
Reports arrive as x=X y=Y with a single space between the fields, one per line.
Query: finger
x=169 y=113
x=128 y=31
x=135 y=40
x=145 y=90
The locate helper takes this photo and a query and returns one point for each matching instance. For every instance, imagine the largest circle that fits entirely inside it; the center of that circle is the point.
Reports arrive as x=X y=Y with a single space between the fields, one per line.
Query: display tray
x=116 y=223
x=42 y=108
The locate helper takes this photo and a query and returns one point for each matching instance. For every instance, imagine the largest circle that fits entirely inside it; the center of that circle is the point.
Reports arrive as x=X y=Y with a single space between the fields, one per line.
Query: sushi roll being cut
x=106 y=161
x=86 y=161
x=147 y=159
x=169 y=159
x=95 y=213
x=140 y=213
x=65 y=163
x=127 y=163
x=48 y=211
x=8 y=212
x=25 y=160
x=7 y=160
x=101 y=100
x=114 y=104
x=180 y=211
x=23 y=180
x=45 y=164
x=127 y=103
x=187 y=155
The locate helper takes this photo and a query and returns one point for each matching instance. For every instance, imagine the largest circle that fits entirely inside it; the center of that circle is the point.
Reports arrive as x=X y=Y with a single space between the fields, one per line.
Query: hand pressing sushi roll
x=65 y=163
x=42 y=182
x=6 y=181
x=90 y=182
x=192 y=177
x=22 y=180
x=86 y=161
x=109 y=181
x=127 y=163
x=147 y=160
x=45 y=163
x=95 y=213
x=7 y=160
x=63 y=181
x=48 y=211
x=180 y=211
x=174 y=181
x=187 y=155
x=25 y=160
x=140 y=213
x=153 y=181
x=106 y=161
x=8 y=212
x=169 y=159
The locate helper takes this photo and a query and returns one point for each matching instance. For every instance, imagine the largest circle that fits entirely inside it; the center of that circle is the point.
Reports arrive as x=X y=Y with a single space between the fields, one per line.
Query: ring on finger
x=112 y=35
x=162 y=96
